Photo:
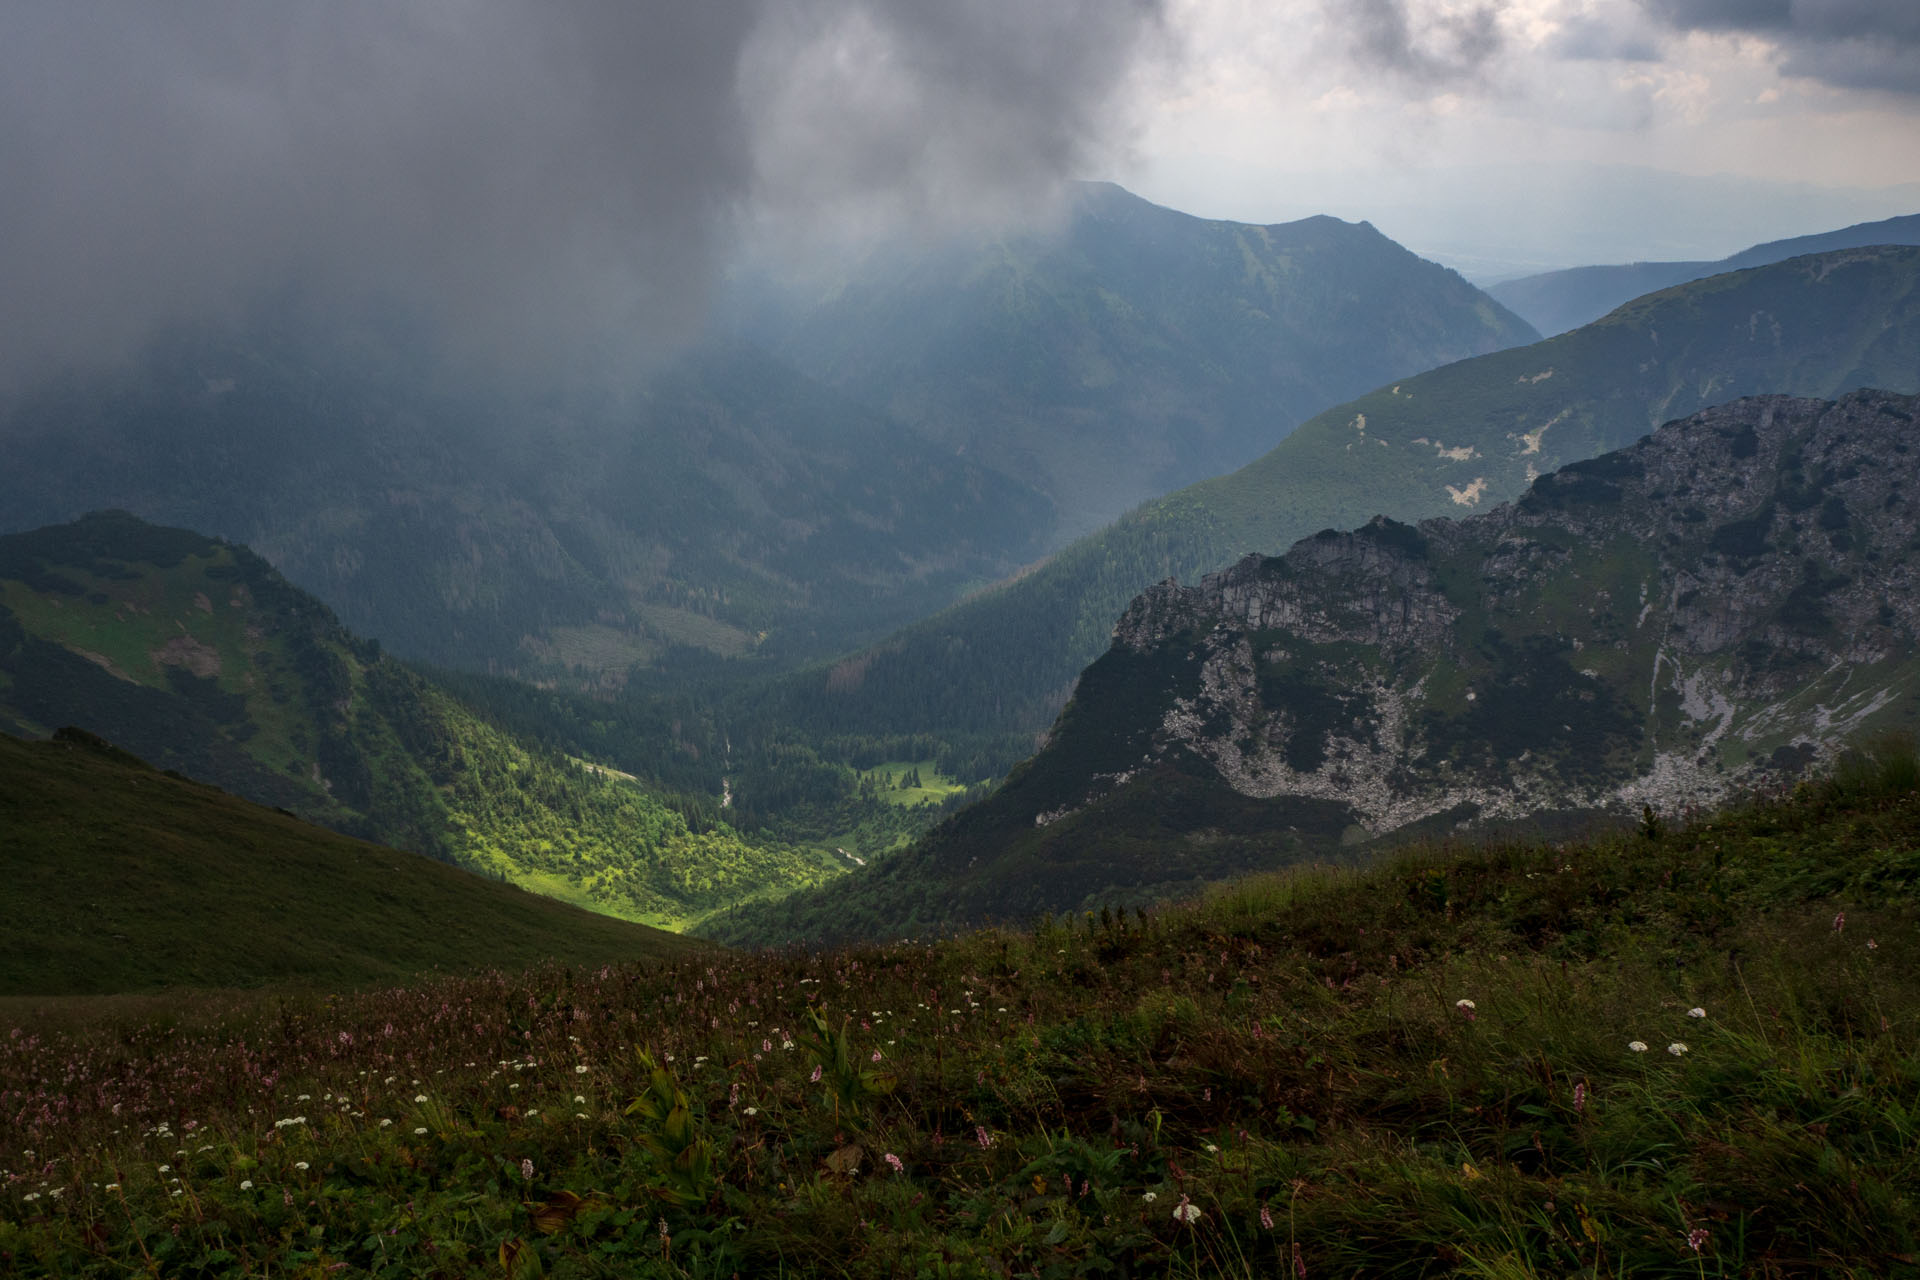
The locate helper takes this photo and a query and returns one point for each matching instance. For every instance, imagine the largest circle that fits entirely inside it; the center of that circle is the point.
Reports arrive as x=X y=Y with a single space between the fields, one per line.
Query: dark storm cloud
x=1439 y=48
x=530 y=173
x=931 y=107
x=1856 y=44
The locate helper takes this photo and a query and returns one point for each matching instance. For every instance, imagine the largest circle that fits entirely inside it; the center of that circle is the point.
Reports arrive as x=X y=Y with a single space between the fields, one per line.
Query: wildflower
x=752 y=1111
x=580 y=1070
x=981 y=1136
x=1697 y=1238
x=579 y=1115
x=1696 y=1012
x=1464 y=1005
x=580 y=1097
x=1212 y=1150
x=246 y=1184
x=1187 y=1213
x=305 y=1097
x=526 y=1169
x=815 y=1077
x=300 y=1165
x=166 y=1168
x=1148 y=1197
x=1299 y=1263
x=1872 y=945
x=1676 y=1048
x=1580 y=1097
x=876 y=1055
x=419 y=1097
x=386 y=1124
x=1266 y=1217
x=114 y=1186
x=420 y=1132
x=1638 y=1046
x=894 y=1160
x=1840 y=922
x=31 y=1196
x=533 y=1111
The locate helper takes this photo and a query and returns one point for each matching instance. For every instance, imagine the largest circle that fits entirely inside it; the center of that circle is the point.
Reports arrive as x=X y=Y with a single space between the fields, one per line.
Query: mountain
x=196 y=655
x=726 y=504
x=1556 y=301
x=989 y=675
x=730 y=507
x=121 y=878
x=1132 y=349
x=1712 y=609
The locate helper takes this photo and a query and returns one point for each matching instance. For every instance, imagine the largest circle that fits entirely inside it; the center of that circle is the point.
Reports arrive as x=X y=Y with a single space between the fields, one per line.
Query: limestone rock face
x=1728 y=600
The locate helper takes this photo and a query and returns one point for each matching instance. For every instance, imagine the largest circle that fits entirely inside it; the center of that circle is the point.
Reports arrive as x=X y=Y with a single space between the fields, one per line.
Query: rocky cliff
x=1723 y=605
x=1662 y=625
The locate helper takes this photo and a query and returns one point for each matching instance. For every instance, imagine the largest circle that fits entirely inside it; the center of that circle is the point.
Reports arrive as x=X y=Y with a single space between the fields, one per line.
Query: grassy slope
x=120 y=878
x=1422 y=1069
x=1004 y=662
x=1556 y=301
x=196 y=655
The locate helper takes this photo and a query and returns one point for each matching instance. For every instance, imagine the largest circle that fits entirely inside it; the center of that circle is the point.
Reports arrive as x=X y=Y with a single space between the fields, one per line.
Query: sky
x=540 y=178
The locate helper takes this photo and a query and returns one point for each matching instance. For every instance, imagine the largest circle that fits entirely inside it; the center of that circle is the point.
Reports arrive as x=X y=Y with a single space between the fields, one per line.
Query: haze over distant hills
x=1451 y=441
x=732 y=505
x=1134 y=350
x=1556 y=301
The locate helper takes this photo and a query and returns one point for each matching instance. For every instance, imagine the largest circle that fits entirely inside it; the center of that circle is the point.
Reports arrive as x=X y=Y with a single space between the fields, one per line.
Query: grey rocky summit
x=1730 y=598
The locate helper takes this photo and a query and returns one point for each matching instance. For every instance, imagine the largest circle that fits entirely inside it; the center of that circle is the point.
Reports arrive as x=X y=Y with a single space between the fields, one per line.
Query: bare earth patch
x=185 y=651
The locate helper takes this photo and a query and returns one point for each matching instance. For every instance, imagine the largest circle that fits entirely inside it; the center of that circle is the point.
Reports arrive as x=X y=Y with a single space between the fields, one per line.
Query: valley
x=1003 y=640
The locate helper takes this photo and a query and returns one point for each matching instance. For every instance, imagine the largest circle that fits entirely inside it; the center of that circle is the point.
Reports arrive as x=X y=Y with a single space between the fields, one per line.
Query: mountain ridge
x=994 y=672
x=1556 y=301
x=1725 y=602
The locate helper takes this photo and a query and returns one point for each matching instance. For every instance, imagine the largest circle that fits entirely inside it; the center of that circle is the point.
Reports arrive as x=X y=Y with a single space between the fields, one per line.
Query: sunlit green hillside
x=195 y=655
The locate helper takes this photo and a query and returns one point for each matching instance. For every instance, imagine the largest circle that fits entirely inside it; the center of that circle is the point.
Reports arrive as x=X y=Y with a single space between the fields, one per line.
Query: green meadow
x=1676 y=1052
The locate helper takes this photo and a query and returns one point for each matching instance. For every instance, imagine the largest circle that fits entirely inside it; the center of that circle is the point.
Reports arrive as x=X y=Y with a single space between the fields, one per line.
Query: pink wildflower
x=1580 y=1097
x=981 y=1136
x=1266 y=1217
x=1697 y=1238
x=894 y=1160
x=1840 y=922
x=815 y=1077
x=526 y=1169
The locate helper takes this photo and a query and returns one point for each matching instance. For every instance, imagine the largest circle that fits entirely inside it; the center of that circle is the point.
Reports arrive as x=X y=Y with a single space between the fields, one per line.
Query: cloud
x=528 y=174
x=1425 y=44
x=1851 y=44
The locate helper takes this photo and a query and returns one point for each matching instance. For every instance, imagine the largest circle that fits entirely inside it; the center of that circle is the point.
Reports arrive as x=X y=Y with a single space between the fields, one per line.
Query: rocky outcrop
x=1732 y=597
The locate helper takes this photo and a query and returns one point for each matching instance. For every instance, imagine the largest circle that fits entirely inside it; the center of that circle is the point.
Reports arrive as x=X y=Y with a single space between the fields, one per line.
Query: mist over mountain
x=1556 y=301
x=994 y=671
x=730 y=506
x=1127 y=352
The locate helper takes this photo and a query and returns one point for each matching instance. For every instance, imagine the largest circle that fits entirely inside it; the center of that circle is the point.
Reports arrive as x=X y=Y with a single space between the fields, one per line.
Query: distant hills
x=195 y=655
x=1722 y=604
x=1556 y=301
x=1132 y=350
x=731 y=505
x=994 y=671
x=123 y=879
